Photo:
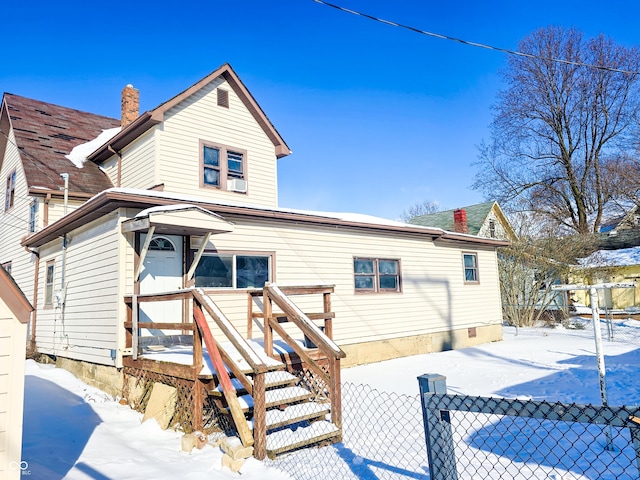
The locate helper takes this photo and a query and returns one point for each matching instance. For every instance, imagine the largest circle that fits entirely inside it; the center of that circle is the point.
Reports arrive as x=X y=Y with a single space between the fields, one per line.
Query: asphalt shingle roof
x=45 y=133
x=476 y=215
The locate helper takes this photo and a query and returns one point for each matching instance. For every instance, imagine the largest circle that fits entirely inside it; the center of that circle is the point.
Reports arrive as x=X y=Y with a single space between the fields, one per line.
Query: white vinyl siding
x=12 y=350
x=14 y=224
x=139 y=168
x=199 y=118
x=90 y=329
x=433 y=298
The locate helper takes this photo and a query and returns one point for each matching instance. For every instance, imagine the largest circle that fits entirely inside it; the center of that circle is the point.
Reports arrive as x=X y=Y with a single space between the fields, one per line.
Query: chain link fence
x=493 y=438
x=383 y=438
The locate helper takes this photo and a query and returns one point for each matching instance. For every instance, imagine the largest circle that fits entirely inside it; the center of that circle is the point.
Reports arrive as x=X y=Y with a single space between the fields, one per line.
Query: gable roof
x=476 y=215
x=13 y=297
x=149 y=119
x=44 y=134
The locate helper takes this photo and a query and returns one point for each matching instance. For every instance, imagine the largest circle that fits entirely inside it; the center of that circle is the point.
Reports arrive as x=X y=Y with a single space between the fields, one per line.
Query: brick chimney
x=130 y=105
x=460 y=221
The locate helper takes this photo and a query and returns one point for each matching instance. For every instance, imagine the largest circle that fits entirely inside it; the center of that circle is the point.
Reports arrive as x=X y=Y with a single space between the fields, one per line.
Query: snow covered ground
x=77 y=432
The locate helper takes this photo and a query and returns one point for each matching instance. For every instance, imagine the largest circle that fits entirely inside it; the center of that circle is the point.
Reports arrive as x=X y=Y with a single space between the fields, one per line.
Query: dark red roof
x=45 y=133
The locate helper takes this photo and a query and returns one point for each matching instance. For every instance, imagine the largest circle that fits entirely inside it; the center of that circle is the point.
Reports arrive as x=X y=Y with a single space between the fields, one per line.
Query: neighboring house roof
x=476 y=217
x=623 y=257
x=13 y=297
x=115 y=198
x=149 y=119
x=44 y=134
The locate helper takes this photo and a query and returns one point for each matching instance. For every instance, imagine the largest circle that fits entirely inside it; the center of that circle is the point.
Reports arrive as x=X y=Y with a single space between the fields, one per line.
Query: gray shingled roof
x=45 y=133
x=476 y=215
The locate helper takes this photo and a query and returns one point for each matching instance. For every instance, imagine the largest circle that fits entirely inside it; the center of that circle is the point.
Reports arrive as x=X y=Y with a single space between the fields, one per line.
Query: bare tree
x=531 y=265
x=419 y=209
x=562 y=135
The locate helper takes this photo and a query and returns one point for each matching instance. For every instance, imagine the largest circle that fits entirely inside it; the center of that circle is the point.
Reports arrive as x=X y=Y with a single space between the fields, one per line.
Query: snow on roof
x=345 y=216
x=80 y=152
x=173 y=208
x=622 y=257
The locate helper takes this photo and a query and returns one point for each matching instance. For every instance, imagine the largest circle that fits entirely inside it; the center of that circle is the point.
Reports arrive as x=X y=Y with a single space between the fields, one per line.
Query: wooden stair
x=294 y=418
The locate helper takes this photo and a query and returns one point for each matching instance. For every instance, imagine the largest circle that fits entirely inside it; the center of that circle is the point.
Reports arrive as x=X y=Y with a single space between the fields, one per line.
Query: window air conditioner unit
x=237 y=185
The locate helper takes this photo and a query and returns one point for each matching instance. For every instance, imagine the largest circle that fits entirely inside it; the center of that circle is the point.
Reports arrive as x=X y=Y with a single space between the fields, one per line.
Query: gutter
x=110 y=200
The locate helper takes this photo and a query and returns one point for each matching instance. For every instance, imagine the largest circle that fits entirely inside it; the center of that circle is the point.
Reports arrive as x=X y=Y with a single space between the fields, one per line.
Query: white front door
x=162 y=272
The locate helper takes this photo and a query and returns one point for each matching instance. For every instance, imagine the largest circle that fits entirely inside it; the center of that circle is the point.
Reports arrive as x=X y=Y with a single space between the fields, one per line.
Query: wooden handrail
x=249 y=355
x=225 y=382
x=304 y=323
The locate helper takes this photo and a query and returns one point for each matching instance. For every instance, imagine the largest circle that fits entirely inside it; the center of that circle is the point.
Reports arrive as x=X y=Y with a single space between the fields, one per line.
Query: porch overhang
x=182 y=219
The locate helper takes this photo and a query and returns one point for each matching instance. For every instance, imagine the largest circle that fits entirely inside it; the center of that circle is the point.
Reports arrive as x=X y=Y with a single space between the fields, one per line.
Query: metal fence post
x=635 y=439
x=437 y=429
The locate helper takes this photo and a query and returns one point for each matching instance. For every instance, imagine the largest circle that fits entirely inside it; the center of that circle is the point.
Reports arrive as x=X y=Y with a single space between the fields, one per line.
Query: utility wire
x=476 y=44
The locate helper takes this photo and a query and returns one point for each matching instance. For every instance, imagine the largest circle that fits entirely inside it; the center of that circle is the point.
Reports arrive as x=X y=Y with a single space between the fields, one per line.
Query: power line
x=475 y=44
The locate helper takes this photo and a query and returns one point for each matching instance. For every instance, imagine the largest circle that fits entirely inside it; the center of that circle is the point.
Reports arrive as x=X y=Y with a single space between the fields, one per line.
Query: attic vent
x=223 y=98
x=64 y=136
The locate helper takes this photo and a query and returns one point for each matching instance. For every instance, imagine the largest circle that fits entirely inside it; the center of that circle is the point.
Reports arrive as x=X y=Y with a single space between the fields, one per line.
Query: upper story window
x=470 y=261
x=376 y=275
x=7 y=267
x=492 y=228
x=33 y=216
x=10 y=192
x=224 y=167
x=233 y=270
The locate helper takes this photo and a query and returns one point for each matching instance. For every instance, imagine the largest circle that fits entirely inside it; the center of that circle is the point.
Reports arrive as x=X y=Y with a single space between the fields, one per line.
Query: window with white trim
x=224 y=167
x=376 y=275
x=48 y=285
x=219 y=270
x=470 y=262
x=33 y=216
x=10 y=193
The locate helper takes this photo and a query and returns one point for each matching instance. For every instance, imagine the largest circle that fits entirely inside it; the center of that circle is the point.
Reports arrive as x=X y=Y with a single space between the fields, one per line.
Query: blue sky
x=378 y=118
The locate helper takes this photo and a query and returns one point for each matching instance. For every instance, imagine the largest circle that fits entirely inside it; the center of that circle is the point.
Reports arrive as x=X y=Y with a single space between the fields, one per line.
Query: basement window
x=376 y=275
x=470 y=261
x=10 y=194
x=233 y=271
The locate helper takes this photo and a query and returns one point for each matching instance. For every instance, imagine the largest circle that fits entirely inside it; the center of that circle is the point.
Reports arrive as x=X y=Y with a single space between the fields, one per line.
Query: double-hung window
x=48 y=286
x=470 y=262
x=376 y=275
x=231 y=270
x=224 y=167
x=33 y=216
x=10 y=192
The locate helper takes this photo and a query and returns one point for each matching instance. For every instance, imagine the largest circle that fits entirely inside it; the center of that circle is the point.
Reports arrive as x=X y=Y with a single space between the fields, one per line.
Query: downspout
x=65 y=176
x=32 y=339
x=119 y=174
x=62 y=297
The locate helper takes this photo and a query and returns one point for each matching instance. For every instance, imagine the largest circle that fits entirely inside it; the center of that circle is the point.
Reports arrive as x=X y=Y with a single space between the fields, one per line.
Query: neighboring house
x=200 y=171
x=14 y=316
x=611 y=266
x=484 y=220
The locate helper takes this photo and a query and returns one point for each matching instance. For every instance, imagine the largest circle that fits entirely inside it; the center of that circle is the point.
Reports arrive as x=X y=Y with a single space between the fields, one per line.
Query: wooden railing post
x=259 y=417
x=335 y=393
x=268 y=330
x=328 y=323
x=249 y=315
